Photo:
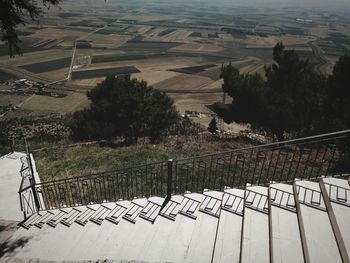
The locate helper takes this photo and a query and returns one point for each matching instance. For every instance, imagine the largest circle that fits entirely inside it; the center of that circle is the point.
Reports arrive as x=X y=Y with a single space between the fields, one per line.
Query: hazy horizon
x=340 y=5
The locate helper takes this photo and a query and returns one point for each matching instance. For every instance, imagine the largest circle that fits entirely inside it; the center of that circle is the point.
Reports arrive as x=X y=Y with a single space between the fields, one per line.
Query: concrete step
x=134 y=210
x=177 y=241
x=163 y=227
x=336 y=194
x=285 y=240
x=318 y=238
x=138 y=237
x=255 y=237
x=257 y=224
x=228 y=239
x=201 y=246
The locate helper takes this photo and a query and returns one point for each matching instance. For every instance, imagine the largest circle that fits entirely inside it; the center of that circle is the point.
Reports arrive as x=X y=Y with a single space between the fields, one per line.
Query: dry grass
x=46 y=105
x=63 y=162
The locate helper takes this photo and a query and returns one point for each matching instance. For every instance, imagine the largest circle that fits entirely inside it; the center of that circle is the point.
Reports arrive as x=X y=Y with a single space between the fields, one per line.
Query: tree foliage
x=212 y=127
x=289 y=102
x=16 y=12
x=337 y=103
x=125 y=107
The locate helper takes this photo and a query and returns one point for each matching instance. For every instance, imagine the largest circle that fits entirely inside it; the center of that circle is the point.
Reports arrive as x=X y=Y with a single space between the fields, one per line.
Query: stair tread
x=340 y=206
x=227 y=245
x=255 y=239
x=184 y=241
x=285 y=233
x=318 y=232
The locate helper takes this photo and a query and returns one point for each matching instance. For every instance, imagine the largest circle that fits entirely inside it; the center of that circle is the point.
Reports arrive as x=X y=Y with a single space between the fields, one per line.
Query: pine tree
x=212 y=128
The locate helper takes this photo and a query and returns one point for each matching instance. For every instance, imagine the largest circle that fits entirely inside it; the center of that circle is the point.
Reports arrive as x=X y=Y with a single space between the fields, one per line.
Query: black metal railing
x=282 y=199
x=140 y=181
x=310 y=197
x=338 y=194
x=306 y=158
x=27 y=194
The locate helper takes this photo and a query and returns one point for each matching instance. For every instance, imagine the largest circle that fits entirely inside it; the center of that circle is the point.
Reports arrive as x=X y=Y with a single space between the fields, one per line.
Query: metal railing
x=27 y=193
x=145 y=180
x=338 y=194
x=306 y=158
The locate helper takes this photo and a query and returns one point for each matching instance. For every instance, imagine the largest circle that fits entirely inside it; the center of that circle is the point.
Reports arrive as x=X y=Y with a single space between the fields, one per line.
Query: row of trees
x=292 y=100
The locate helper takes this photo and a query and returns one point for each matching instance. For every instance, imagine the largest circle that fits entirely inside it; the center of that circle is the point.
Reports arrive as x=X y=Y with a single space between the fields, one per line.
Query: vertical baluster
x=299 y=161
x=306 y=163
x=267 y=178
x=322 y=161
x=261 y=156
x=229 y=170
x=314 y=162
x=242 y=170
x=291 y=164
x=331 y=160
x=249 y=164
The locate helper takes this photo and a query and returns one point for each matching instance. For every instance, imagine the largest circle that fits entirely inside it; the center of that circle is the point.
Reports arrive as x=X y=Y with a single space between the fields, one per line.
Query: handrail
x=102 y=173
x=256 y=165
x=282 y=143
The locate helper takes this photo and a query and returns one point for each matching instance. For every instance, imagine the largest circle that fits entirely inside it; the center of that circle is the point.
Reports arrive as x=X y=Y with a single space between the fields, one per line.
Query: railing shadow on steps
x=305 y=158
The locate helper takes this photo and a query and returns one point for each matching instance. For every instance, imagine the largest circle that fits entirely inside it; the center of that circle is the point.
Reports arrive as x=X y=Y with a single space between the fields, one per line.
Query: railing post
x=169 y=183
x=32 y=177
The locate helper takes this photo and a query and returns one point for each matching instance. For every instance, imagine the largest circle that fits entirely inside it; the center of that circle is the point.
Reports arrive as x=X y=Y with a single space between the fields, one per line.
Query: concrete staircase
x=304 y=222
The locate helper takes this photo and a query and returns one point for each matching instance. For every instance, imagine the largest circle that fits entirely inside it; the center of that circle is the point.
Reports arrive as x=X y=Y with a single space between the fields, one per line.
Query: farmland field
x=194 y=70
x=46 y=66
x=118 y=57
x=178 y=47
x=148 y=45
x=96 y=73
x=6 y=76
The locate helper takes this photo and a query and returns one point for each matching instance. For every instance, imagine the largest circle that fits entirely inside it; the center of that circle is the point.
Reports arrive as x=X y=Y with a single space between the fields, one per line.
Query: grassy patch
x=64 y=162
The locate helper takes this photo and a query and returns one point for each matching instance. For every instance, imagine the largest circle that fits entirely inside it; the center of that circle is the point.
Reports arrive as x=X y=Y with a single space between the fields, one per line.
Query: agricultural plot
x=4 y=50
x=197 y=102
x=114 y=30
x=292 y=31
x=195 y=34
x=197 y=47
x=69 y=14
x=194 y=70
x=35 y=56
x=83 y=44
x=38 y=105
x=46 y=66
x=4 y=76
x=115 y=58
x=88 y=23
x=153 y=77
x=183 y=82
x=166 y=32
x=148 y=45
x=212 y=73
x=179 y=35
x=334 y=46
x=96 y=73
x=238 y=32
